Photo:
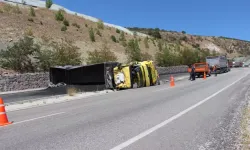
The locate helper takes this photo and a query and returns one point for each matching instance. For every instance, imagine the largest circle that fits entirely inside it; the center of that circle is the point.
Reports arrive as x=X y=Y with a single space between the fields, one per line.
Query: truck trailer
x=111 y=75
x=220 y=62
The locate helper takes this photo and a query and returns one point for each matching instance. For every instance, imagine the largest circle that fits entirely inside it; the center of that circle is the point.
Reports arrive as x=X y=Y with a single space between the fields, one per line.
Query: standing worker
x=215 y=70
x=190 y=75
x=193 y=72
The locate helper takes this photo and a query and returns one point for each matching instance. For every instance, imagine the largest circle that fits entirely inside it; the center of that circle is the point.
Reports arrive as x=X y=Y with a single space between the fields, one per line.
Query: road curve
x=203 y=114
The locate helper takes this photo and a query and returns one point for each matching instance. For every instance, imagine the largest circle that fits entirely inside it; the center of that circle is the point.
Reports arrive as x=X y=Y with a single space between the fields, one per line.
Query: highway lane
x=57 y=91
x=204 y=114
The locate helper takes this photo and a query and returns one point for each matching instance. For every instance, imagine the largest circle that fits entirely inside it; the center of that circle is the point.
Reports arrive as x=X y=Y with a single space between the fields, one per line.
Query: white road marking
x=149 y=131
x=38 y=118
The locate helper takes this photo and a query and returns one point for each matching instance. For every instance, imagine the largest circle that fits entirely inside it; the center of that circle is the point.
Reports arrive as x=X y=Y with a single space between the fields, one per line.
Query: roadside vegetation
x=26 y=55
x=102 y=55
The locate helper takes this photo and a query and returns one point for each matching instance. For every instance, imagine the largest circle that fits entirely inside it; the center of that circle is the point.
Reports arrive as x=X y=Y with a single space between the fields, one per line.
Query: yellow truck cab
x=122 y=76
x=144 y=74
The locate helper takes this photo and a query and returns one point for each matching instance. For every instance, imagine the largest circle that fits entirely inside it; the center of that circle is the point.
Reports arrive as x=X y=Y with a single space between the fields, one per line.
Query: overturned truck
x=112 y=75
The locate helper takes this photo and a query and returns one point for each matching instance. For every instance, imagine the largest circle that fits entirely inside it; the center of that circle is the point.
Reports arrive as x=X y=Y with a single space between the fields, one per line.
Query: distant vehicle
x=237 y=64
x=200 y=68
x=221 y=63
x=230 y=63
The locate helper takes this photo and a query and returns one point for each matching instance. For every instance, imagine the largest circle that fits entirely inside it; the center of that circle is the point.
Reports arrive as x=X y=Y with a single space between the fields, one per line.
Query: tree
x=133 y=50
x=183 y=32
x=32 y=12
x=92 y=35
x=102 y=55
x=59 y=15
x=49 y=3
x=65 y=53
x=18 y=57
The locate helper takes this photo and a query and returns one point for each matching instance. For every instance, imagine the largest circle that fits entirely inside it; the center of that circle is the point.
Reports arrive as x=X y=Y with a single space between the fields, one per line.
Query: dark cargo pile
x=96 y=74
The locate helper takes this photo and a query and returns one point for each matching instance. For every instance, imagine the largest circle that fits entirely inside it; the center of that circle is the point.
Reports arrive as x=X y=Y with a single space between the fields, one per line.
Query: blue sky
x=230 y=18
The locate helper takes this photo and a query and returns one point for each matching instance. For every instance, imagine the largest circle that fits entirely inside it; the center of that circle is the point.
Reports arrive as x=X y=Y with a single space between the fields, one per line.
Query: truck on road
x=220 y=62
x=200 y=69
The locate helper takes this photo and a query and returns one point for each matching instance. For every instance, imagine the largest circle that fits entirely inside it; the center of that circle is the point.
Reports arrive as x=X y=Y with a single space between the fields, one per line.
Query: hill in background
x=18 y=21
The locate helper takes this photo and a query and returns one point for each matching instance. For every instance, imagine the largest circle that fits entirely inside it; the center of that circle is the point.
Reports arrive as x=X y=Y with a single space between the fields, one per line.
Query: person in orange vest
x=215 y=70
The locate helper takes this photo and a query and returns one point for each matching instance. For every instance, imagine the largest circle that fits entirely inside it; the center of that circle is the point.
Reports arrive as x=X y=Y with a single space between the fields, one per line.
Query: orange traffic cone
x=205 y=76
x=3 y=117
x=172 y=84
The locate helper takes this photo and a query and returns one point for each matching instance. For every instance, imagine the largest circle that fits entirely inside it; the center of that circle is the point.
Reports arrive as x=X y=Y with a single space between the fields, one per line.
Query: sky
x=229 y=18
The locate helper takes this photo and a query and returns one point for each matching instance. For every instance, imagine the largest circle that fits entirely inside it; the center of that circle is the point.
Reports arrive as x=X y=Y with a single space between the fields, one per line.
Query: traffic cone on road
x=172 y=84
x=205 y=76
x=3 y=117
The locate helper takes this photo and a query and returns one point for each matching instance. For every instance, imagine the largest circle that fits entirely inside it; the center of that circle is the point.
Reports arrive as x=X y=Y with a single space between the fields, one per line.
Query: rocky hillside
x=18 y=21
x=233 y=47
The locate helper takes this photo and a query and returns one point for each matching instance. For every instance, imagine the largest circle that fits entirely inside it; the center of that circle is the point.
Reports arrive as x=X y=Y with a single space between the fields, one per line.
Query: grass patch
x=71 y=91
x=76 y=25
x=30 y=19
x=245 y=137
x=64 y=28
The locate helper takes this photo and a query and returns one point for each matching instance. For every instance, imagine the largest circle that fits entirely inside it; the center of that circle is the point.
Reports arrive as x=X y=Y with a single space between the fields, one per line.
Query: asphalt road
x=203 y=114
x=57 y=91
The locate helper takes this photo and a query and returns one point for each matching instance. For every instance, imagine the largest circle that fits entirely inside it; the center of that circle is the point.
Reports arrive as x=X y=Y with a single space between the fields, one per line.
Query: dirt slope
x=17 y=23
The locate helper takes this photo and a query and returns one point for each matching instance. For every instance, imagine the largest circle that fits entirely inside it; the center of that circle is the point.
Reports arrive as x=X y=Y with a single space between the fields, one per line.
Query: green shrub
x=86 y=25
x=183 y=32
x=133 y=51
x=32 y=12
x=64 y=28
x=18 y=56
x=118 y=31
x=7 y=7
x=100 y=24
x=184 y=38
x=98 y=32
x=16 y=10
x=59 y=15
x=30 y=19
x=76 y=25
x=124 y=43
x=155 y=33
x=160 y=45
x=146 y=56
x=49 y=3
x=135 y=34
x=66 y=22
x=100 y=56
x=27 y=56
x=122 y=37
x=113 y=38
x=65 y=53
x=146 y=42
x=28 y=32
x=91 y=35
